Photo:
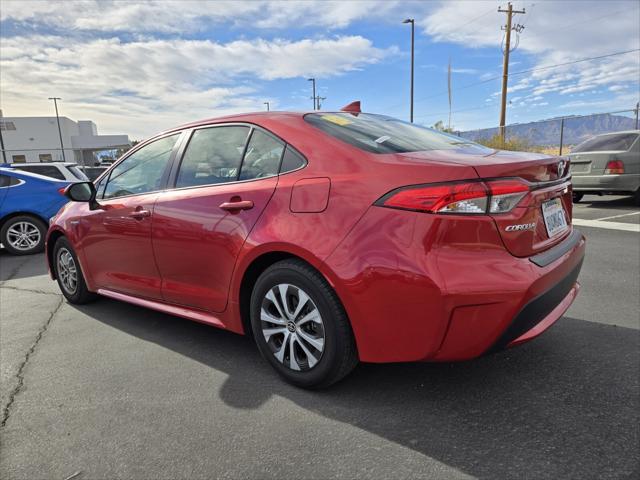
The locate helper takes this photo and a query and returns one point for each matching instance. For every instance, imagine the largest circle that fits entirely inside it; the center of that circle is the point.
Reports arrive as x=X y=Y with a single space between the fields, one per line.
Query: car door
x=226 y=178
x=116 y=236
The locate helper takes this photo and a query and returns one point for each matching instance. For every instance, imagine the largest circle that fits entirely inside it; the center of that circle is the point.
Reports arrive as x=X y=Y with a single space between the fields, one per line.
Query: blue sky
x=140 y=67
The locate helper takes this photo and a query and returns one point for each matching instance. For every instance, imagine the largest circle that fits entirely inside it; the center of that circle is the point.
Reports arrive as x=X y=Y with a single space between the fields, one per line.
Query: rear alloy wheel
x=23 y=235
x=69 y=275
x=577 y=197
x=300 y=325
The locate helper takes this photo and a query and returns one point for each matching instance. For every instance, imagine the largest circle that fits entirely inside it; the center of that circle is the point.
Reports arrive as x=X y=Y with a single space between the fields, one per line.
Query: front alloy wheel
x=67 y=271
x=69 y=274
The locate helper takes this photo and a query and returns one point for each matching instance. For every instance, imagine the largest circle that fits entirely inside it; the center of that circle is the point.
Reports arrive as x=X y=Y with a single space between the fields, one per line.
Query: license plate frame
x=555 y=217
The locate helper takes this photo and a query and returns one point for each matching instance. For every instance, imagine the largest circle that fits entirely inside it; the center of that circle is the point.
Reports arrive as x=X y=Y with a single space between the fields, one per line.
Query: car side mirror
x=82 y=192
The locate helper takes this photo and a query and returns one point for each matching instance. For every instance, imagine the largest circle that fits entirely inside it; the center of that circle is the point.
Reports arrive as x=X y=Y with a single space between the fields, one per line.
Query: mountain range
x=547 y=132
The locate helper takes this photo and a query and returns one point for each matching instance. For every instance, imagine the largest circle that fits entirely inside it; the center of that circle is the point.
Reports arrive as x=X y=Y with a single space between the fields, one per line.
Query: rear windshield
x=607 y=143
x=382 y=134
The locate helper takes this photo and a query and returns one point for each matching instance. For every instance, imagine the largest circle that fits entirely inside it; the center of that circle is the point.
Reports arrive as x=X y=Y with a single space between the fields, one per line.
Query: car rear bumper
x=421 y=287
x=626 y=182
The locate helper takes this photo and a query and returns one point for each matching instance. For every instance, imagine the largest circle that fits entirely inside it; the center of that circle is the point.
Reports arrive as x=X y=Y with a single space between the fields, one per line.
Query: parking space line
x=626 y=227
x=618 y=216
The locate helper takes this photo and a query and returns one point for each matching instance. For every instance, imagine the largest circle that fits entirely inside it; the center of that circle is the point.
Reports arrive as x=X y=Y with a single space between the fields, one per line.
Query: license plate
x=554 y=217
x=580 y=167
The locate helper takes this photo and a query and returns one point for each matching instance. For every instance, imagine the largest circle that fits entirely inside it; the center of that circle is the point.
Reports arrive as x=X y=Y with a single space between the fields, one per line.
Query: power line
x=575 y=61
x=547 y=67
x=475 y=19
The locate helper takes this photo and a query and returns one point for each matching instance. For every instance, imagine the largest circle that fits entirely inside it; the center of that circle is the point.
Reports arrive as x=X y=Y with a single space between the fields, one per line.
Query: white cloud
x=555 y=32
x=146 y=85
x=172 y=16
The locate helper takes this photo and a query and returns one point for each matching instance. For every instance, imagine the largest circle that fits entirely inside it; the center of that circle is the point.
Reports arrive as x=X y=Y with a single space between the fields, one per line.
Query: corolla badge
x=522 y=226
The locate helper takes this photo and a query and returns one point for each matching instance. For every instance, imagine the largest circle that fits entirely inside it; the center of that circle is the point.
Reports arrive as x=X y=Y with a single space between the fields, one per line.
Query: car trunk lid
x=591 y=163
x=538 y=221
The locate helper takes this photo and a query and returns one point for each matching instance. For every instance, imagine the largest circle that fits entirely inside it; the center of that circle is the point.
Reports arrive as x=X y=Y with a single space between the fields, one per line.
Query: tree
x=439 y=125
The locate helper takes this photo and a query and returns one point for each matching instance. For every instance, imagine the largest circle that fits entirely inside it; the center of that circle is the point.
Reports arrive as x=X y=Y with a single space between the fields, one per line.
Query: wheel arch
x=256 y=266
x=50 y=245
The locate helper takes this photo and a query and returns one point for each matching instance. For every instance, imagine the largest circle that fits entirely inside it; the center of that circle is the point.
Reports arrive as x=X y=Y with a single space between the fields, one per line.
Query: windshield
x=620 y=142
x=79 y=174
x=382 y=134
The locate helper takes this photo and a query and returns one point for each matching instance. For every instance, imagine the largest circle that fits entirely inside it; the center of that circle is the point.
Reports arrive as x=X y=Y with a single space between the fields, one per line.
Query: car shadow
x=612 y=202
x=564 y=405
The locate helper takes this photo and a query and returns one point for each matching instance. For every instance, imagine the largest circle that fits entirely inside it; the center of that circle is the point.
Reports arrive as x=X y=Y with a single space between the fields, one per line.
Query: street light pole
x=267 y=104
x=4 y=154
x=313 y=83
x=413 y=24
x=55 y=102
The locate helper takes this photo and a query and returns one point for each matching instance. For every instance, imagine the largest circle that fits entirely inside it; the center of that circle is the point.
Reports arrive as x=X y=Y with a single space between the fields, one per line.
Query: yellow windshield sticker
x=337 y=120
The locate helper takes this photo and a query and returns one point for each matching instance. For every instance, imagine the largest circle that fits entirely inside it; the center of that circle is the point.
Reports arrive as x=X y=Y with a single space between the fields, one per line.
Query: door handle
x=235 y=205
x=140 y=214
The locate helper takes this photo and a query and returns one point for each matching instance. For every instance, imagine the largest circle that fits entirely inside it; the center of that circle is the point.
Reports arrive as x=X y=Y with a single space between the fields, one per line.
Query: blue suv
x=27 y=202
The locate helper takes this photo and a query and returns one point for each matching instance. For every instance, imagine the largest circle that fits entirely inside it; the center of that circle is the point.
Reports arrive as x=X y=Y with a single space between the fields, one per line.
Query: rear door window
x=213 y=156
x=7 y=181
x=607 y=143
x=262 y=158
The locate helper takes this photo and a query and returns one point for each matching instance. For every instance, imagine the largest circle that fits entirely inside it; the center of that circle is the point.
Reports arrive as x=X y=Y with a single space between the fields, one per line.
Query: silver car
x=607 y=164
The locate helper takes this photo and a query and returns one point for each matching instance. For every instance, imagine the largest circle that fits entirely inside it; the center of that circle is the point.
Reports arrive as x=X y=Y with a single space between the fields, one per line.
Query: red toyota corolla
x=332 y=237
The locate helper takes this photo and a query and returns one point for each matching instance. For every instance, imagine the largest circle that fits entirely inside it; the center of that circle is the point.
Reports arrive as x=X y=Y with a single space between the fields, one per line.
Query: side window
x=142 y=171
x=7 y=181
x=291 y=160
x=45 y=170
x=262 y=158
x=212 y=156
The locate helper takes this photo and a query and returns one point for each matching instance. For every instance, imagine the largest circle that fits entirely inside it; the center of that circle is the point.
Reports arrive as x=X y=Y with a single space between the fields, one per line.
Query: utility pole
x=413 y=24
x=267 y=104
x=637 y=109
x=318 y=99
x=313 y=90
x=4 y=154
x=55 y=102
x=505 y=66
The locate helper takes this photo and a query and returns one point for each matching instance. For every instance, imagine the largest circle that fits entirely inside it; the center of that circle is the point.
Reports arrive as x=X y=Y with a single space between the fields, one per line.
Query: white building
x=36 y=139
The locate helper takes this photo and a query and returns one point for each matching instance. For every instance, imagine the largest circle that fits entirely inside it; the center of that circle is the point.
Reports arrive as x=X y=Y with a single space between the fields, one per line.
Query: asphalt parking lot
x=110 y=390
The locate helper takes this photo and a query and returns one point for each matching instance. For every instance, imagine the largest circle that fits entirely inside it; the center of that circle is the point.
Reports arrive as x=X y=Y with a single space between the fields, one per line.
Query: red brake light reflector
x=614 y=167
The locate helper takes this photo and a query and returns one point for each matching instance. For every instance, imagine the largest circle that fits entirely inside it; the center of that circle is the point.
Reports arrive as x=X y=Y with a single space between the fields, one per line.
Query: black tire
x=339 y=355
x=80 y=295
x=9 y=228
x=577 y=196
x=636 y=198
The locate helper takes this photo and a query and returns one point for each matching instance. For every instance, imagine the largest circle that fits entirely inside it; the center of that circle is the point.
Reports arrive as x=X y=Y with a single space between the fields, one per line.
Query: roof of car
x=32 y=164
x=242 y=117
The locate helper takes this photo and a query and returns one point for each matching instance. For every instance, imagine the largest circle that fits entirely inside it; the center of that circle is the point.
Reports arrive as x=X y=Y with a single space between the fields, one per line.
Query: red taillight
x=614 y=167
x=494 y=196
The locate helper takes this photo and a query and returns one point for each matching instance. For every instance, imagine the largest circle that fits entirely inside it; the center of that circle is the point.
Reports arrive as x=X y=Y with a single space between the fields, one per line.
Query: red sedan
x=332 y=237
